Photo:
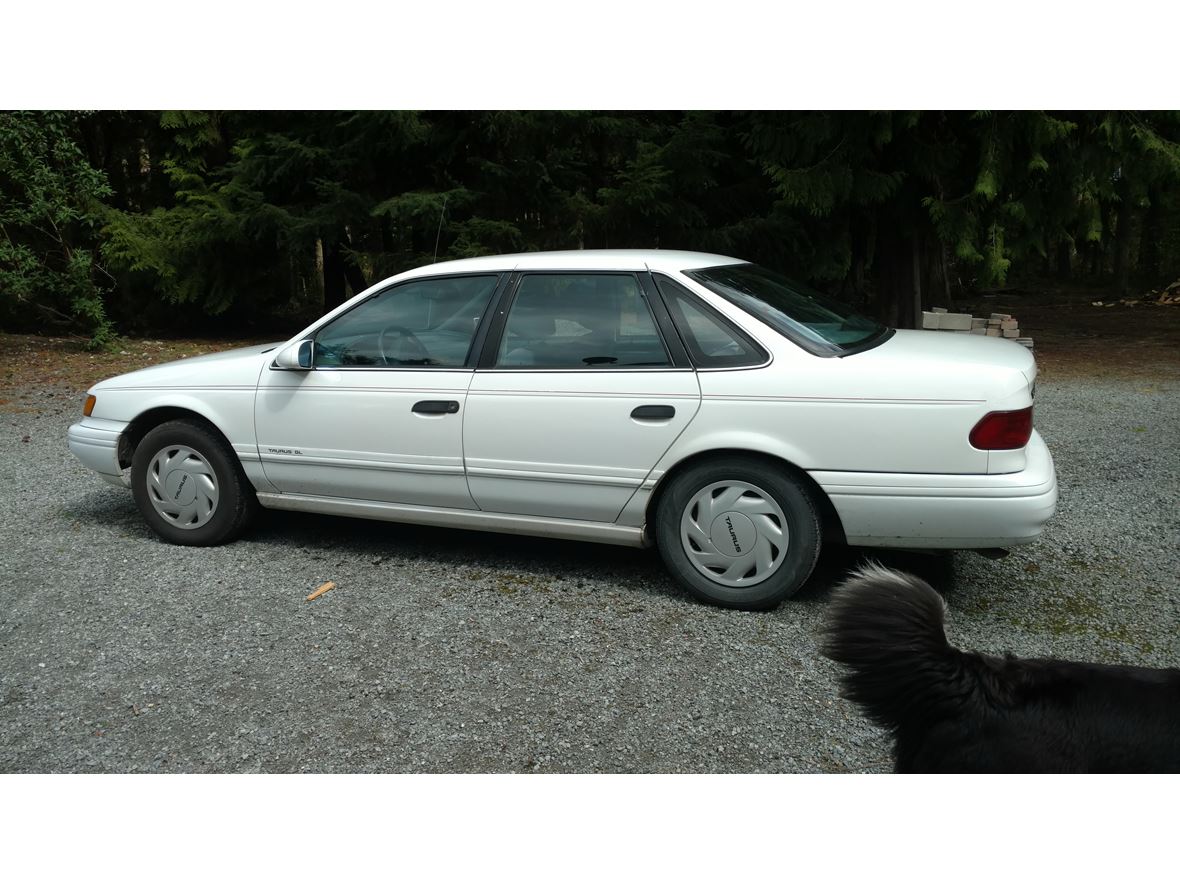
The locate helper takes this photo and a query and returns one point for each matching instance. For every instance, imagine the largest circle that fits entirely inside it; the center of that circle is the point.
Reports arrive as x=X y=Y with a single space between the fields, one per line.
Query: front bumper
x=946 y=510
x=95 y=442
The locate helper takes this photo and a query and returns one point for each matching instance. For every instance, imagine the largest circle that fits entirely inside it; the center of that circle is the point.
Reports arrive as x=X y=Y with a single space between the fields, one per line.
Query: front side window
x=419 y=323
x=580 y=321
x=819 y=323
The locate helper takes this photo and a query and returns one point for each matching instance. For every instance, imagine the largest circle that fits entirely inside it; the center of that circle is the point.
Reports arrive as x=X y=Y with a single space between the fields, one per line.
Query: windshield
x=819 y=323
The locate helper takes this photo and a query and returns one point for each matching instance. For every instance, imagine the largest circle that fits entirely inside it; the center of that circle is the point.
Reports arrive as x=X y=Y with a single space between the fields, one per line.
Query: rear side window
x=712 y=343
x=580 y=321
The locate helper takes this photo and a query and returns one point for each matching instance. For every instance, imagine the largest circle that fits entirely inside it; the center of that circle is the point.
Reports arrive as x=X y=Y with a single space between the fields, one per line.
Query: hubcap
x=182 y=487
x=734 y=533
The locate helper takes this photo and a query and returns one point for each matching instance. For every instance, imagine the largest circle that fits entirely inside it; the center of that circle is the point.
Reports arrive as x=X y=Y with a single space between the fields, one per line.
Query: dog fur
x=952 y=711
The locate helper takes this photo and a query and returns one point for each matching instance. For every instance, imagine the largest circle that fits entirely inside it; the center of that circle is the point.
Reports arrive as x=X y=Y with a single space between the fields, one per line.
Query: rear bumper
x=948 y=510
x=95 y=442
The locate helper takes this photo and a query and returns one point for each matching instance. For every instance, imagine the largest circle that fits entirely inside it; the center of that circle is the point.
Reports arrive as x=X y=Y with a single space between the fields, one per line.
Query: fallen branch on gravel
x=321 y=590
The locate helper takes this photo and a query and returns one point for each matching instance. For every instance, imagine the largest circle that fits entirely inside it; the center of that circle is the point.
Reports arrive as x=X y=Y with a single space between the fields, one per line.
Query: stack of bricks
x=998 y=325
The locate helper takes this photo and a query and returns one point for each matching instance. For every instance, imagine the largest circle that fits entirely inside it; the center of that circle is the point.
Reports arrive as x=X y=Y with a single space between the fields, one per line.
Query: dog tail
x=886 y=628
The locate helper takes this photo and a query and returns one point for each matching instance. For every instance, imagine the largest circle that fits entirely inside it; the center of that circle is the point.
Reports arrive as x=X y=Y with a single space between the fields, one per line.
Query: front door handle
x=436 y=407
x=653 y=413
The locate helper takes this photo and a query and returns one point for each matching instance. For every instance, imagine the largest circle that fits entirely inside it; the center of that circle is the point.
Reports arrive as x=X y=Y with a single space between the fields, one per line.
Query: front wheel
x=189 y=486
x=738 y=532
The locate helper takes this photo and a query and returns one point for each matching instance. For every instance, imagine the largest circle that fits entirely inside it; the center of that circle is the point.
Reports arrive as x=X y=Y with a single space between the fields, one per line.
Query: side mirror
x=295 y=356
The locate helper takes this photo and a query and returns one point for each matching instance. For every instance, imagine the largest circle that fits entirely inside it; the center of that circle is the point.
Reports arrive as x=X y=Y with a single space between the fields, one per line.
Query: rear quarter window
x=712 y=342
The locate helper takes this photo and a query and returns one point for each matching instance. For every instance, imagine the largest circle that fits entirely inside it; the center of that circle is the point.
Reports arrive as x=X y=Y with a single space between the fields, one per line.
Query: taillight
x=1003 y=430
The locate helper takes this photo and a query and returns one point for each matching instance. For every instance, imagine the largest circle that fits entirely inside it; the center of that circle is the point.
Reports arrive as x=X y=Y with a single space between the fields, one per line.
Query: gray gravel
x=445 y=651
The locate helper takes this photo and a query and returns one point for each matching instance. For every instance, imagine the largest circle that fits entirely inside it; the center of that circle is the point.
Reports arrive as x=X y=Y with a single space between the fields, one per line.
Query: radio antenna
x=438 y=233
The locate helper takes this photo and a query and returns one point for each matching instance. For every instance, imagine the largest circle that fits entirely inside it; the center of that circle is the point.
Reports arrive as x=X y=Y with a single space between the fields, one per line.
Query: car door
x=582 y=386
x=379 y=415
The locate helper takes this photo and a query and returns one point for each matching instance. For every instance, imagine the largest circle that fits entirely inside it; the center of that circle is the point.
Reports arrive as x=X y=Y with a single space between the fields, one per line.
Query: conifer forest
x=240 y=222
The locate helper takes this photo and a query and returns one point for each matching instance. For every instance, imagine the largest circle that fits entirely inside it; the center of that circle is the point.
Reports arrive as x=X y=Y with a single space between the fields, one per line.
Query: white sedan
x=726 y=414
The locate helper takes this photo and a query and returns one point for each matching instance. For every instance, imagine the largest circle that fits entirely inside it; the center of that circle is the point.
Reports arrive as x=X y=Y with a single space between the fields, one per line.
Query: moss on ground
x=1066 y=610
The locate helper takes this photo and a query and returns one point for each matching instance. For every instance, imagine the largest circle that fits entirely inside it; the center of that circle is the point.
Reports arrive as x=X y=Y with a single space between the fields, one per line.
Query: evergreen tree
x=253 y=217
x=49 y=204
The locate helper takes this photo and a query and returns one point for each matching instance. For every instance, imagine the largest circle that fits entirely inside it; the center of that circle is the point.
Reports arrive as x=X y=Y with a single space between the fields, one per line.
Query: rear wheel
x=738 y=532
x=189 y=485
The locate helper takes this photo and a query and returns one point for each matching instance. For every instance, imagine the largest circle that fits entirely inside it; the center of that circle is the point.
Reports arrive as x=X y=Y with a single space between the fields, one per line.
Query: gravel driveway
x=448 y=651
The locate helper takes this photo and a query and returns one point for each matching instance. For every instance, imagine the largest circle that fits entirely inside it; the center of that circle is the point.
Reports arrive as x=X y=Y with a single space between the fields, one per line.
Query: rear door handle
x=653 y=413
x=436 y=407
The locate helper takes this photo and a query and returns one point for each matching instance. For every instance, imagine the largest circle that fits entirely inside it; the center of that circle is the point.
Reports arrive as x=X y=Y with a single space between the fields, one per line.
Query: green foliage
x=1000 y=190
x=268 y=217
x=484 y=236
x=49 y=205
x=995 y=265
x=987 y=185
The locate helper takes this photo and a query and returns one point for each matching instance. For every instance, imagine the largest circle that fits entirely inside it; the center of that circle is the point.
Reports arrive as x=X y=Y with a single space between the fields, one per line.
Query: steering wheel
x=400 y=334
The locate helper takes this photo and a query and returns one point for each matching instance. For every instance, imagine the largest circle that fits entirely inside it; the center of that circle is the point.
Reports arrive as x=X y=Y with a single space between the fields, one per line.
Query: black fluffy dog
x=955 y=711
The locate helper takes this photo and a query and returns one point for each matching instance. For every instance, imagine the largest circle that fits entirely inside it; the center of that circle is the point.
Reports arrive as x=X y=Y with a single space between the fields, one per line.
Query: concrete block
x=955 y=321
x=930 y=319
x=993 y=331
x=1010 y=333
x=938 y=309
x=1009 y=324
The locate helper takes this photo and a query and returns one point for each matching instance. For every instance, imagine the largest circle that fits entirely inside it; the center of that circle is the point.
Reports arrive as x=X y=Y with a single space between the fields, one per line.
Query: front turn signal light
x=89 y=407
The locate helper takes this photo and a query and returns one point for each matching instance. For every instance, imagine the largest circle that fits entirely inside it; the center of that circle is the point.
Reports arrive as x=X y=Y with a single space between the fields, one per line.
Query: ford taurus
x=732 y=417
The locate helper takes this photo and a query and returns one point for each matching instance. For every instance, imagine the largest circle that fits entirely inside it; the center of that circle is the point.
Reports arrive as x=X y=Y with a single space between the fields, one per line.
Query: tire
x=739 y=532
x=189 y=485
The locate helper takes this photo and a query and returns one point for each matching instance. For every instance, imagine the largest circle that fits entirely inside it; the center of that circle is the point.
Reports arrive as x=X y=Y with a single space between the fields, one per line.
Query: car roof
x=577 y=259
